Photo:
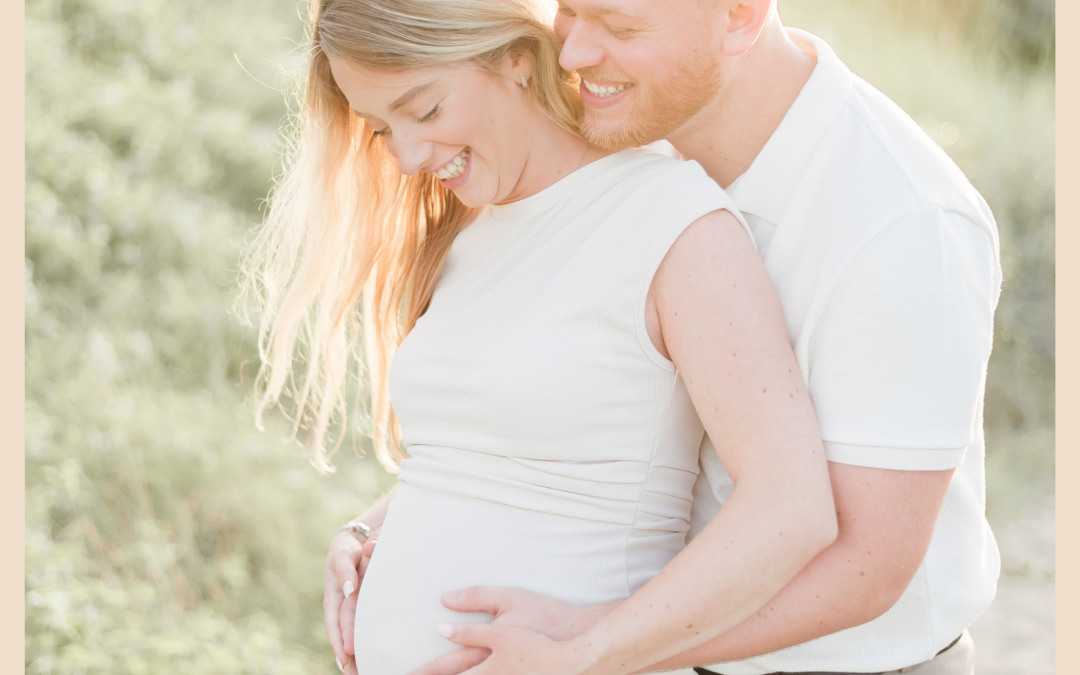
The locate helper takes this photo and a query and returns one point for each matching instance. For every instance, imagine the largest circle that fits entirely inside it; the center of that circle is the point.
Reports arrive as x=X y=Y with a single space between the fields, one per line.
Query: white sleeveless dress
x=551 y=446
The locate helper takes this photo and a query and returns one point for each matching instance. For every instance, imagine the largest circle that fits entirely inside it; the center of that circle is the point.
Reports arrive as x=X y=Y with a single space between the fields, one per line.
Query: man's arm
x=886 y=519
x=899 y=360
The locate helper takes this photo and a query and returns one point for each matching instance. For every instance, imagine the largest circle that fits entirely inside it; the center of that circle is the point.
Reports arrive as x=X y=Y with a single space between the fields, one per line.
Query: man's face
x=646 y=66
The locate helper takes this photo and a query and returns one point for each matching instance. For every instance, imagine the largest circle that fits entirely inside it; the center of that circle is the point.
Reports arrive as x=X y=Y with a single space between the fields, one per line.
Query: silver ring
x=358 y=527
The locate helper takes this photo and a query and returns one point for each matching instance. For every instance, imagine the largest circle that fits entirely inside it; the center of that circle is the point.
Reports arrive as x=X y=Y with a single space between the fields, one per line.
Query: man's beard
x=659 y=111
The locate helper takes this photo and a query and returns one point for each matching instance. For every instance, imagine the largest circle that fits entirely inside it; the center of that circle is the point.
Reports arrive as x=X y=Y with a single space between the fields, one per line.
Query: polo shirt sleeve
x=897 y=361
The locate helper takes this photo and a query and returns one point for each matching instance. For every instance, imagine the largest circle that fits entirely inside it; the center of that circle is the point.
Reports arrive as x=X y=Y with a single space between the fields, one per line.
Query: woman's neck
x=554 y=153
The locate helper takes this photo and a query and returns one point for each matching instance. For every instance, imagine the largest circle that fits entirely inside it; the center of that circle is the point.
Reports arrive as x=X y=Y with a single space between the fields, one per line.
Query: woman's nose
x=411 y=152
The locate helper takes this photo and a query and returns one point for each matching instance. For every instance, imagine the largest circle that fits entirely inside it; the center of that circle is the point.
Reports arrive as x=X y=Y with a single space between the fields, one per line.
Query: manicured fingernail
x=348 y=588
x=445 y=630
x=339 y=666
x=450 y=596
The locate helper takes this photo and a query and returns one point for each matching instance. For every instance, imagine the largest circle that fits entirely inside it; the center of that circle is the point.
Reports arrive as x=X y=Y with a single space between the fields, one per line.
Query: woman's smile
x=455 y=173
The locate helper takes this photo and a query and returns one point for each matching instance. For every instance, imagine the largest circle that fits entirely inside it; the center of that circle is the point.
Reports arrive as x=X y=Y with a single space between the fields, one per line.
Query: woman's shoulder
x=664 y=195
x=658 y=175
x=654 y=185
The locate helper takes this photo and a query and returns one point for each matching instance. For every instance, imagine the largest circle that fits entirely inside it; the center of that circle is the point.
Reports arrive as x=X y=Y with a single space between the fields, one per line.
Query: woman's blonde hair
x=349 y=253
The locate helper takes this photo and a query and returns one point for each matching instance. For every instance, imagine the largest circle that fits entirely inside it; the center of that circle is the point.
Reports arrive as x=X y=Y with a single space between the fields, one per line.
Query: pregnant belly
x=434 y=541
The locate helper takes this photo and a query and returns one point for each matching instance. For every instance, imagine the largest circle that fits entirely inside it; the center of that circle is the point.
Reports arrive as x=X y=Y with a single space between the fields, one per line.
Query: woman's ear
x=520 y=66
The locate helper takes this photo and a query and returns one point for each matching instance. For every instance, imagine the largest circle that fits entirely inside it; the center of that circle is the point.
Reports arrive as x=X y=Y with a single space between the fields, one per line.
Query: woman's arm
x=345 y=566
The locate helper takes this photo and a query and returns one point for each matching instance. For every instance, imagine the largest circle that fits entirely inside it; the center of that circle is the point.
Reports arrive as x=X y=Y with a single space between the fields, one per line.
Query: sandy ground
x=1015 y=636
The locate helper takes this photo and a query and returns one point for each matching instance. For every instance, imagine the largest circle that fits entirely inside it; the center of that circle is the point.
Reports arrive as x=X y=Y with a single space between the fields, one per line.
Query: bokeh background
x=164 y=534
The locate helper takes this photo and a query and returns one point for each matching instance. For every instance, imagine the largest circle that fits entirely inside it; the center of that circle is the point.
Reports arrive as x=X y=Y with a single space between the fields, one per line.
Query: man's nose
x=580 y=48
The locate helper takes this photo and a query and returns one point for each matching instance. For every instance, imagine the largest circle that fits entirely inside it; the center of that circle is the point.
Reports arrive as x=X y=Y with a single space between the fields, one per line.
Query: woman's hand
x=346 y=564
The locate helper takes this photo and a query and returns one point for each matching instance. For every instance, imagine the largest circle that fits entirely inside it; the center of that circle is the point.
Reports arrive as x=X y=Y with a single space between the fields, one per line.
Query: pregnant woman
x=564 y=322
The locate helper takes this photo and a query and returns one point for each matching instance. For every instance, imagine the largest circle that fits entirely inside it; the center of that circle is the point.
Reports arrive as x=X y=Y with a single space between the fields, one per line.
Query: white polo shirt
x=885 y=259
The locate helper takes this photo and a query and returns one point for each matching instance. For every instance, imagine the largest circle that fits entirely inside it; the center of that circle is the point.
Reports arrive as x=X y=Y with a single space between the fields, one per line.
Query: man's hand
x=346 y=564
x=516 y=651
x=511 y=607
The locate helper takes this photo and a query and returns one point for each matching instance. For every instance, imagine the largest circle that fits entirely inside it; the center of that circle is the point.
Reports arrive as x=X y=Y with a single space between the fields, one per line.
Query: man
x=885 y=260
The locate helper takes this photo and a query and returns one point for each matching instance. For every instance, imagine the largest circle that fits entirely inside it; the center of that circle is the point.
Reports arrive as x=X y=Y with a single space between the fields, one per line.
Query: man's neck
x=727 y=135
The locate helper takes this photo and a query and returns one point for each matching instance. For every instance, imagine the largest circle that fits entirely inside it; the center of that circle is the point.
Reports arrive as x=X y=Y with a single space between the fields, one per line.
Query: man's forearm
x=837 y=590
x=886 y=521
x=823 y=598
x=672 y=612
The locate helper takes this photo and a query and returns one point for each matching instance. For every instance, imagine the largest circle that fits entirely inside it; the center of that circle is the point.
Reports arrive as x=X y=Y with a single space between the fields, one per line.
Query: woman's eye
x=375 y=133
x=430 y=116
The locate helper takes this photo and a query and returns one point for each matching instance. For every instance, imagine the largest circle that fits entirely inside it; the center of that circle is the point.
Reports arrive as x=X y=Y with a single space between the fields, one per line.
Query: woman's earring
x=524 y=84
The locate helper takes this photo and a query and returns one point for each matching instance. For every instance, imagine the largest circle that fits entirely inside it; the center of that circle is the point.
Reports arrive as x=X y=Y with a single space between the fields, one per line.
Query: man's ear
x=743 y=22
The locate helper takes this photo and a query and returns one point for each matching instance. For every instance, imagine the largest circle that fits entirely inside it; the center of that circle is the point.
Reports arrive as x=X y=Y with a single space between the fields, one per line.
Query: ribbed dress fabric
x=550 y=445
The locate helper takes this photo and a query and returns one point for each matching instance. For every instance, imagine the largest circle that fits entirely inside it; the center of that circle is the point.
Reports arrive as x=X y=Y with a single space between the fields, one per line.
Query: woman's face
x=469 y=127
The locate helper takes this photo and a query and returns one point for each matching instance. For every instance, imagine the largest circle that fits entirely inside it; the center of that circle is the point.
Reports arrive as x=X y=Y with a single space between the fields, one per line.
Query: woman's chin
x=473 y=198
x=464 y=198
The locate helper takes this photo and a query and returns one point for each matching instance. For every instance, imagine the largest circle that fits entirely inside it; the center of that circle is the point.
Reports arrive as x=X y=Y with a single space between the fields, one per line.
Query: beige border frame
x=1067 y=247
x=12 y=302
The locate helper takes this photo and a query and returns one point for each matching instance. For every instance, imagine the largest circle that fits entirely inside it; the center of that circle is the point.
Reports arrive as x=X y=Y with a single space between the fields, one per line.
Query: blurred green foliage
x=1007 y=31
x=163 y=533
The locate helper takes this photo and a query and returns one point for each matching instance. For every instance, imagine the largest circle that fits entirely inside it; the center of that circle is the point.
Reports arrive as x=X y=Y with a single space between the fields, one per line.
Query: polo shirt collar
x=766 y=187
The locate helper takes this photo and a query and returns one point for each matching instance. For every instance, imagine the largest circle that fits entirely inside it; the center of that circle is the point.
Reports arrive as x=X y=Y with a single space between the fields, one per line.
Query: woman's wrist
x=375 y=516
x=368 y=524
